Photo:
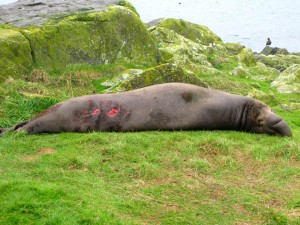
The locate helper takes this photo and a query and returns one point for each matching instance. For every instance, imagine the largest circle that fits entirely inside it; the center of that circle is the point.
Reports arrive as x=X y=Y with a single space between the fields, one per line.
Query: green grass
x=182 y=177
x=195 y=177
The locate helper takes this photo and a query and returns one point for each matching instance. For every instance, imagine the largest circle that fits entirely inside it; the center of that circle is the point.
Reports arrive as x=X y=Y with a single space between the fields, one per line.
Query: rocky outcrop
x=15 y=54
x=247 y=58
x=93 y=33
x=273 y=51
x=234 y=48
x=188 y=45
x=164 y=73
x=35 y=13
x=197 y=33
x=262 y=96
x=288 y=81
x=279 y=62
x=113 y=34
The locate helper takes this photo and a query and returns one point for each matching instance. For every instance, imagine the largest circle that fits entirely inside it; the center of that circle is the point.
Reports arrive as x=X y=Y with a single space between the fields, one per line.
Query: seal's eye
x=260 y=122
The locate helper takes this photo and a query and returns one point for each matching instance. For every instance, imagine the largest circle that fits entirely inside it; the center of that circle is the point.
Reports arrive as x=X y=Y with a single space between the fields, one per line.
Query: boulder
x=164 y=73
x=291 y=106
x=197 y=33
x=25 y=13
x=184 y=52
x=247 y=58
x=267 y=50
x=234 y=48
x=178 y=49
x=288 y=81
x=279 y=62
x=272 y=51
x=262 y=96
x=111 y=34
x=15 y=54
x=262 y=72
x=239 y=71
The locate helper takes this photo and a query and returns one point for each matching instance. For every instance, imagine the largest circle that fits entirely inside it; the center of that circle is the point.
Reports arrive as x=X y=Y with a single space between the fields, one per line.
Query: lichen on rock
x=262 y=96
x=184 y=52
x=247 y=58
x=234 y=48
x=113 y=35
x=239 y=71
x=15 y=54
x=197 y=33
x=279 y=62
x=289 y=80
x=164 y=73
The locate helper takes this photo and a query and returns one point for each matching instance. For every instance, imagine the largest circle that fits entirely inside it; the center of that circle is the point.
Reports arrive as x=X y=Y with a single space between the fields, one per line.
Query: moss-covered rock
x=234 y=48
x=289 y=80
x=262 y=72
x=127 y=4
x=262 y=96
x=247 y=58
x=15 y=54
x=291 y=106
x=267 y=50
x=113 y=35
x=279 y=62
x=239 y=71
x=175 y=48
x=164 y=73
x=197 y=33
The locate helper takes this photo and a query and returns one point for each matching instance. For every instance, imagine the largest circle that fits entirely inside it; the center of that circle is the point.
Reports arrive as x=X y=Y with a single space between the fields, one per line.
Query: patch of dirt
x=274 y=203
x=46 y=151
x=30 y=158
x=167 y=205
x=294 y=213
x=42 y=151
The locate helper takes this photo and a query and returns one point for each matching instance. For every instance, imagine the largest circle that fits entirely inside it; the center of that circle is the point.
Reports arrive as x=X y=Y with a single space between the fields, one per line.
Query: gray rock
x=273 y=51
x=35 y=12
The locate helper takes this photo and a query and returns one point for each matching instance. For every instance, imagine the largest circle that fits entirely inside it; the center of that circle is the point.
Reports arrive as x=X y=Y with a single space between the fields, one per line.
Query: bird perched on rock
x=268 y=42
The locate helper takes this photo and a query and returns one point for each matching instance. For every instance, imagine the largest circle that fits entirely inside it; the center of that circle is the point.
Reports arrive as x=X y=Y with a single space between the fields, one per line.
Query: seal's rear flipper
x=14 y=128
x=17 y=126
x=3 y=131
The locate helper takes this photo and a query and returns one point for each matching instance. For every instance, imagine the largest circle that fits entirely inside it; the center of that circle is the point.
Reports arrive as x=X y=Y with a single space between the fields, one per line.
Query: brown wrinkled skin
x=172 y=106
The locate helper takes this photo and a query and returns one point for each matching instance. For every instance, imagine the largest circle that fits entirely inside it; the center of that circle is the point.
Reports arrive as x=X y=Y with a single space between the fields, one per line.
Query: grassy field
x=182 y=177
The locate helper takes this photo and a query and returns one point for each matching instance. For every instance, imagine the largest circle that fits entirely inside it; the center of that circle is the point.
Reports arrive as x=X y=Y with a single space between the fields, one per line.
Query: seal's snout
x=282 y=128
x=277 y=125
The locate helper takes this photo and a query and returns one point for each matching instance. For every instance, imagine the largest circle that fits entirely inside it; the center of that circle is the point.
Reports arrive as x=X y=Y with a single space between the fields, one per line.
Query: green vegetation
x=182 y=177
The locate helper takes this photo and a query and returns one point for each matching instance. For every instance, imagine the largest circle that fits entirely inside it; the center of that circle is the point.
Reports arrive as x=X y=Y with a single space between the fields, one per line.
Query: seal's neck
x=241 y=116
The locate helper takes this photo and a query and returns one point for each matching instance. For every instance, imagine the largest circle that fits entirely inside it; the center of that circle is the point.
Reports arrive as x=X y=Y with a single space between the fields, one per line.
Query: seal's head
x=270 y=123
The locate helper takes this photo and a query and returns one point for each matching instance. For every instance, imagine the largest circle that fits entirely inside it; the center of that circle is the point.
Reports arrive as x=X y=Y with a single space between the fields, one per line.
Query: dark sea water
x=249 y=22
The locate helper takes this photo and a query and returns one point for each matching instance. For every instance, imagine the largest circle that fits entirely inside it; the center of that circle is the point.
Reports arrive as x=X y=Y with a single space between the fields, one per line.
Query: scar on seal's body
x=187 y=96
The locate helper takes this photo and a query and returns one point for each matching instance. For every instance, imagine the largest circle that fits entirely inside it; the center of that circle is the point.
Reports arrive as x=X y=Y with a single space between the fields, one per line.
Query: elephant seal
x=169 y=106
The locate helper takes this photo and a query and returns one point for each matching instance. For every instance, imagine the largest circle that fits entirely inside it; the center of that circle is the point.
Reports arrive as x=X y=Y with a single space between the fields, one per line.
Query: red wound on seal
x=113 y=111
x=95 y=112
